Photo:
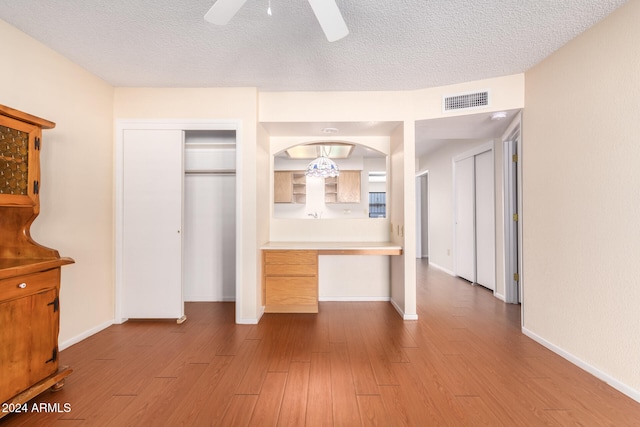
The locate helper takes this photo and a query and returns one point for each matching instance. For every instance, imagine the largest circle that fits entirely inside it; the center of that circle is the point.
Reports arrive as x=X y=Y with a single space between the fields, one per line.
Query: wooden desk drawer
x=291 y=257
x=292 y=290
x=291 y=269
x=29 y=284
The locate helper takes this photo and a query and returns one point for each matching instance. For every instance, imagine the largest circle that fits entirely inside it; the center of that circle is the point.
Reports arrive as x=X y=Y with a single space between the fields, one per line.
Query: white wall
x=76 y=214
x=506 y=94
x=581 y=196
x=353 y=278
x=263 y=205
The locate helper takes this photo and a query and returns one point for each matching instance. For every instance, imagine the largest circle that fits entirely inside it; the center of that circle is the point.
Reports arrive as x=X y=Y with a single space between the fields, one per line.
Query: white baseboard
x=357 y=299
x=251 y=320
x=402 y=313
x=613 y=382
x=449 y=272
x=75 y=340
x=248 y=321
x=499 y=296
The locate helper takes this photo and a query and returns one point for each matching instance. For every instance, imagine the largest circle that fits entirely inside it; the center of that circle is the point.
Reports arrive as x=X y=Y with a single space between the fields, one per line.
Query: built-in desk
x=290 y=271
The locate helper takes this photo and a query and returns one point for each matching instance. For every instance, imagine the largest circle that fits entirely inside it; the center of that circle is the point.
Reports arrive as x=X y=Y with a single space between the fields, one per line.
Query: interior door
x=152 y=224
x=465 y=266
x=485 y=220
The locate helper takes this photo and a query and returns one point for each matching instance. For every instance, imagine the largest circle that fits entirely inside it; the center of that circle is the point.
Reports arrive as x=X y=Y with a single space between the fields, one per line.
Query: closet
x=177 y=222
x=209 y=216
x=474 y=217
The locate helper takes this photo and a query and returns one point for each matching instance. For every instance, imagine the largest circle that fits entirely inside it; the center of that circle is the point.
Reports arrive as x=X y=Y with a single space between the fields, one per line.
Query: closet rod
x=210 y=172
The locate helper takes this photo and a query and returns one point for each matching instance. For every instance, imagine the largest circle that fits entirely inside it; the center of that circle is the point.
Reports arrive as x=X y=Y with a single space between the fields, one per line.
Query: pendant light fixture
x=323 y=166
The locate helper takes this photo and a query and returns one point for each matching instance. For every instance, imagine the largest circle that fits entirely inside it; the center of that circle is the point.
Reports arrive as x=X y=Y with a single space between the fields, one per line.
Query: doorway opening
x=209 y=224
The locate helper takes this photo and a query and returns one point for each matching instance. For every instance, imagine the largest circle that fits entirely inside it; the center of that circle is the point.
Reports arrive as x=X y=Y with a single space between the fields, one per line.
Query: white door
x=465 y=219
x=485 y=220
x=152 y=224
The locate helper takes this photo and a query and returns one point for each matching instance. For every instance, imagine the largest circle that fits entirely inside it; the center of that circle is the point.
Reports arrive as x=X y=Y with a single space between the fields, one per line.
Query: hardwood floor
x=464 y=362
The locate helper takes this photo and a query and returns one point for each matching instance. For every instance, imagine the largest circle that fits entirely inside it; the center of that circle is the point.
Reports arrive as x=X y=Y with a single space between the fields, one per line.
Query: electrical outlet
x=448 y=252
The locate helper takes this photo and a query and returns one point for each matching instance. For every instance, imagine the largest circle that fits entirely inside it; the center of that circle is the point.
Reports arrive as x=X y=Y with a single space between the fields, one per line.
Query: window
x=377 y=205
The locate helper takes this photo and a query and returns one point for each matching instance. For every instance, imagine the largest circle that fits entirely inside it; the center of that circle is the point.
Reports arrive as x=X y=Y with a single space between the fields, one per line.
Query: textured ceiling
x=392 y=45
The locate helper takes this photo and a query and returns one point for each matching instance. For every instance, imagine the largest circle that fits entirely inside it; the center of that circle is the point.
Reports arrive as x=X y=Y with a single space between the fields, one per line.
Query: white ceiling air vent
x=465 y=101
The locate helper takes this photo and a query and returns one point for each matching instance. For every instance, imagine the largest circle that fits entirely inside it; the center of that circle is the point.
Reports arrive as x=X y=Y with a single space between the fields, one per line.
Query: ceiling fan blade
x=223 y=10
x=330 y=19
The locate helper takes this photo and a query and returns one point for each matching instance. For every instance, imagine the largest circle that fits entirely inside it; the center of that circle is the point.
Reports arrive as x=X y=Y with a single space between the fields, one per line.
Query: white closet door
x=152 y=222
x=464 y=216
x=485 y=222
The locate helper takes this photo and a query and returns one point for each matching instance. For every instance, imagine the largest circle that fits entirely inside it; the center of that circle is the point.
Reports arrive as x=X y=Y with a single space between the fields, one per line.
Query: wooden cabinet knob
x=22 y=285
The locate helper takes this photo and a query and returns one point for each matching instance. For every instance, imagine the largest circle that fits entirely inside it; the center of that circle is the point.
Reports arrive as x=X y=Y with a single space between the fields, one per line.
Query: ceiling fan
x=326 y=12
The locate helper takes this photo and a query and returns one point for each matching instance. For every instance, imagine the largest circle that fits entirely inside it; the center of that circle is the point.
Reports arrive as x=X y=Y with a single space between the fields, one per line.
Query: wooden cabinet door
x=29 y=337
x=349 y=187
x=282 y=187
x=14 y=348
x=19 y=162
x=45 y=316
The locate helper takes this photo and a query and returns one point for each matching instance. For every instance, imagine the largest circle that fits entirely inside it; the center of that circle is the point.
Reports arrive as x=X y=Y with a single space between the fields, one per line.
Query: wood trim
x=26 y=117
x=18 y=267
x=291 y=308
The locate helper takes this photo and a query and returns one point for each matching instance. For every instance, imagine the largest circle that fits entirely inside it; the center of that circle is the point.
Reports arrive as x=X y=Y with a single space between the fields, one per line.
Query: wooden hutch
x=29 y=272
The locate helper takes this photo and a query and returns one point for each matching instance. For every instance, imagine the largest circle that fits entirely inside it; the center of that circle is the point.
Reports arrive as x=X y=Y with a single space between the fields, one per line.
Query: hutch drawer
x=28 y=284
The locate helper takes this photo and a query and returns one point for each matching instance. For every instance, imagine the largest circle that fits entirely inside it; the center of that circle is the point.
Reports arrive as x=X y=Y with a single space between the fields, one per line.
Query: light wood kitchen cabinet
x=29 y=272
x=290 y=281
x=345 y=188
x=289 y=187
